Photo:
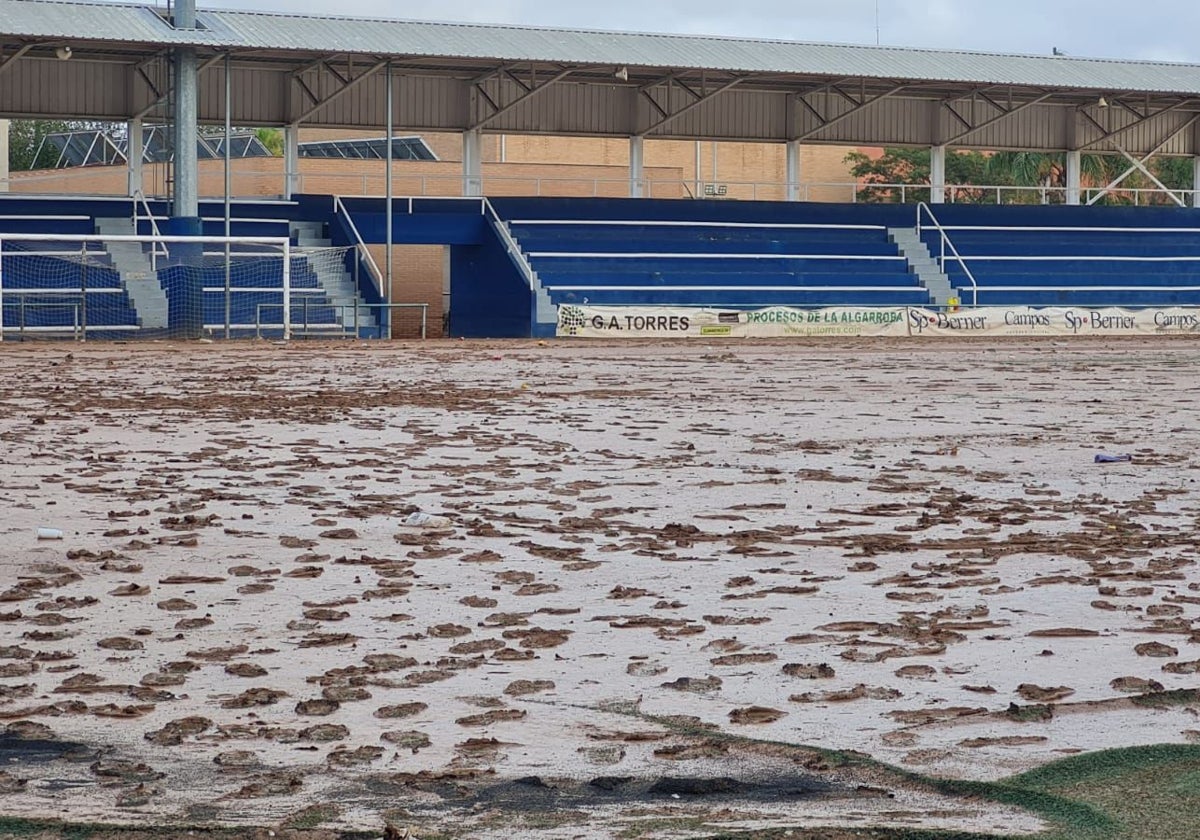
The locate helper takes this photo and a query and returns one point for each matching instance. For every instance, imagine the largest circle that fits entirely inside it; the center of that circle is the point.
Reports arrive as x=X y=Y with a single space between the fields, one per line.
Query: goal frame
x=282 y=243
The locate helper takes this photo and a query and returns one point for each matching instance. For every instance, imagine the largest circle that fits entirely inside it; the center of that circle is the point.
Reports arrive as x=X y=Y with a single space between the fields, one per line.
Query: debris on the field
x=428 y=521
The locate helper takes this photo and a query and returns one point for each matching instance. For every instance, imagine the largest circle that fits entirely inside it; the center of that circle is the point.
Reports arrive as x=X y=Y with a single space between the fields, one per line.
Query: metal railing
x=341 y=329
x=364 y=253
x=510 y=245
x=78 y=333
x=60 y=182
x=945 y=241
x=139 y=198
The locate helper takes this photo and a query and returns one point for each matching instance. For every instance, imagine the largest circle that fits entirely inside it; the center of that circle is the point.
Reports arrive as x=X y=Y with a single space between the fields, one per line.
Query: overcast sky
x=1152 y=29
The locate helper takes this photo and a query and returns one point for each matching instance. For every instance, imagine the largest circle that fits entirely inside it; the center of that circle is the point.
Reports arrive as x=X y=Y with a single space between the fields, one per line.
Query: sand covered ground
x=665 y=571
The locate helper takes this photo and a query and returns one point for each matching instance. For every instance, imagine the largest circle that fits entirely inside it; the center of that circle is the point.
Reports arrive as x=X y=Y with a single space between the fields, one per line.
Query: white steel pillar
x=937 y=175
x=4 y=156
x=1074 y=173
x=291 y=160
x=473 y=162
x=793 y=170
x=1196 y=181
x=637 y=166
x=134 y=152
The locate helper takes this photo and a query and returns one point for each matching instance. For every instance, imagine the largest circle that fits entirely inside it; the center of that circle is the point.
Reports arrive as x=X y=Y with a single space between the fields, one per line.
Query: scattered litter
x=1106 y=458
x=49 y=534
x=421 y=519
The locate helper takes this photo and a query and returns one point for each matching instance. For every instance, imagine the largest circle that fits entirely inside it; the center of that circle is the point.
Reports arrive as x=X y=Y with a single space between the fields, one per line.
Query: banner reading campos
x=851 y=321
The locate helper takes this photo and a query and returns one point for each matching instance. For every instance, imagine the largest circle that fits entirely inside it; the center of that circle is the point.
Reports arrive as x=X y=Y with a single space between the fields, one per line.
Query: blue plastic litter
x=1105 y=458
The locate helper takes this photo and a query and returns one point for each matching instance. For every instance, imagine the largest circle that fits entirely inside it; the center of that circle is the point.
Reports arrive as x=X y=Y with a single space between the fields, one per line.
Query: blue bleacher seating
x=1118 y=260
x=740 y=264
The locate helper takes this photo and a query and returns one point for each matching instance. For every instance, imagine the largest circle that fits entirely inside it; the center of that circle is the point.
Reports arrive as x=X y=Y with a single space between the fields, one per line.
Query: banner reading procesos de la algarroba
x=853 y=321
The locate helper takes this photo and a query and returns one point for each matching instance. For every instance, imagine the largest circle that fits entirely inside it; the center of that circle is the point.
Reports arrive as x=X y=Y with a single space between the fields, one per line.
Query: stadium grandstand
x=450 y=221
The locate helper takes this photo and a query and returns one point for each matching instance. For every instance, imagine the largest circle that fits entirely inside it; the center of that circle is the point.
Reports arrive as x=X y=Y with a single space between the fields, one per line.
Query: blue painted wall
x=488 y=296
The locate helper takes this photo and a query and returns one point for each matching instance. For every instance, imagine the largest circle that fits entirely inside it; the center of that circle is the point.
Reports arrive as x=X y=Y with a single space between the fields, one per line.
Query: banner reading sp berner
x=848 y=321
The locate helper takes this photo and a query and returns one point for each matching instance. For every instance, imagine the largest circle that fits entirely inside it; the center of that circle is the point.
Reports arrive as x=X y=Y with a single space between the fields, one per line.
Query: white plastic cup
x=49 y=534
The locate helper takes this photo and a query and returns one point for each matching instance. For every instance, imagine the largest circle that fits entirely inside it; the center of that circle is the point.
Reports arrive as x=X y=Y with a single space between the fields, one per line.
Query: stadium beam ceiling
x=567 y=82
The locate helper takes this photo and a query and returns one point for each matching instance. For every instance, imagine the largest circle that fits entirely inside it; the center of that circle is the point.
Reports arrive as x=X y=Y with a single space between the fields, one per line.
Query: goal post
x=87 y=286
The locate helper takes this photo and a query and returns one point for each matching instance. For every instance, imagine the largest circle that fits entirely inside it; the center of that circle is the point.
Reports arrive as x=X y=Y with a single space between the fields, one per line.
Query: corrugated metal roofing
x=277 y=32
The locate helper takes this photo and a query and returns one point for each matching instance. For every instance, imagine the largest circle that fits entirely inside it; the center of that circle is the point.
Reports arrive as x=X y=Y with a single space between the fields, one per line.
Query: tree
x=1045 y=173
x=1040 y=177
x=25 y=149
x=272 y=139
x=912 y=167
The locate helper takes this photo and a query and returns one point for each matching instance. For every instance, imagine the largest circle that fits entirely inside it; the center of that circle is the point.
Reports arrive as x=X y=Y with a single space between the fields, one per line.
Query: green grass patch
x=1106 y=764
x=1029 y=714
x=1167 y=699
x=312 y=817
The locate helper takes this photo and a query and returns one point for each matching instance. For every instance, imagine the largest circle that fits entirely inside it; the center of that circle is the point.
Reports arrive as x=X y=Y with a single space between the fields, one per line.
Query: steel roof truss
x=829 y=123
x=691 y=106
x=1107 y=133
x=8 y=62
x=1140 y=165
x=347 y=85
x=954 y=113
x=1005 y=114
x=531 y=91
x=160 y=96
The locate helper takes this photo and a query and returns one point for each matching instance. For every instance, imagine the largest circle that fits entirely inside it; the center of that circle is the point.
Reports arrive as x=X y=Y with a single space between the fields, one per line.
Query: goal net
x=122 y=287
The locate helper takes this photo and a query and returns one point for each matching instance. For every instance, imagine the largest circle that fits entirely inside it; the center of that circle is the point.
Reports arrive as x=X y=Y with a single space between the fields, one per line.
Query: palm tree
x=1046 y=172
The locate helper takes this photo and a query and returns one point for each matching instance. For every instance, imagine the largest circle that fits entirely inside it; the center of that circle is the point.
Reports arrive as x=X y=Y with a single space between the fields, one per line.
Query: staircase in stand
x=137 y=276
x=334 y=279
x=923 y=265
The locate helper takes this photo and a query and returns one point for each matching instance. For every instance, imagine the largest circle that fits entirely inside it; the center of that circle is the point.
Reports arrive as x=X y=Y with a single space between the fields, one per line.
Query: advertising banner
x=856 y=321
x=774 y=322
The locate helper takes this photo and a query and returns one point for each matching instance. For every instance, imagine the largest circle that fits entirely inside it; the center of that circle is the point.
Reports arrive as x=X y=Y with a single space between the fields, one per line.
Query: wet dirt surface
x=652 y=566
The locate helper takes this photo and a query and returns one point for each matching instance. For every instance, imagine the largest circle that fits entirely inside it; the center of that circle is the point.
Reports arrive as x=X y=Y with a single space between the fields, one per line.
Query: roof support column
x=637 y=166
x=134 y=152
x=937 y=175
x=473 y=162
x=186 y=206
x=1074 y=171
x=793 y=170
x=291 y=160
x=186 y=203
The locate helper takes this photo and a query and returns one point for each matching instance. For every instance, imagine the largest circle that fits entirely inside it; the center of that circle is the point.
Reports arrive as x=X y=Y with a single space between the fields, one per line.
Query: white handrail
x=139 y=196
x=510 y=243
x=361 y=247
x=946 y=241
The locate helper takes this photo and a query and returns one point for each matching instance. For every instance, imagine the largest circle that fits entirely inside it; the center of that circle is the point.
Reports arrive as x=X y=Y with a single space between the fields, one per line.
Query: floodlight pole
x=228 y=188
x=387 y=294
